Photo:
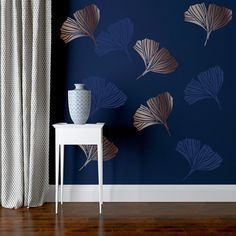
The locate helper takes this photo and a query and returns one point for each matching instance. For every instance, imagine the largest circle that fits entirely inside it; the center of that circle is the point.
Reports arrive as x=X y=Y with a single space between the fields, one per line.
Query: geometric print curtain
x=25 y=39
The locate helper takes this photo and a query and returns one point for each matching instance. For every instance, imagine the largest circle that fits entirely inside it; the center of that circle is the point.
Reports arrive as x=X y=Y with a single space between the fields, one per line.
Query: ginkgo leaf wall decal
x=210 y=20
x=104 y=94
x=201 y=158
x=90 y=151
x=157 y=112
x=155 y=59
x=84 y=25
x=206 y=86
x=117 y=38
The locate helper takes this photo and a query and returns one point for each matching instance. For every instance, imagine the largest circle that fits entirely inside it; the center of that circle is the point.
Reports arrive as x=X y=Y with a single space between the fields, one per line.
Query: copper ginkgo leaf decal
x=84 y=25
x=155 y=59
x=157 y=112
x=210 y=20
x=109 y=151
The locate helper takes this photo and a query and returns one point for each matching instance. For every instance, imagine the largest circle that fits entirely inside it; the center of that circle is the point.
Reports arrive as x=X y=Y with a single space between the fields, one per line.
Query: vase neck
x=79 y=86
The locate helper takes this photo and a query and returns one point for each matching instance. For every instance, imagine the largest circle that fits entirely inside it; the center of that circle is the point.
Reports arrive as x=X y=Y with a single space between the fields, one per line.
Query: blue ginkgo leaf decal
x=201 y=158
x=117 y=38
x=206 y=86
x=104 y=94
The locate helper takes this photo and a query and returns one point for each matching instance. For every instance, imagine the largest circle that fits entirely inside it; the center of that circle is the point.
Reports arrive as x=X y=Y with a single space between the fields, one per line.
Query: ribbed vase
x=79 y=101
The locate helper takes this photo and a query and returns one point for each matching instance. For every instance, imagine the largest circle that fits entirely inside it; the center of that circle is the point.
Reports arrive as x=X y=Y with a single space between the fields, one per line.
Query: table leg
x=100 y=175
x=56 y=175
x=62 y=170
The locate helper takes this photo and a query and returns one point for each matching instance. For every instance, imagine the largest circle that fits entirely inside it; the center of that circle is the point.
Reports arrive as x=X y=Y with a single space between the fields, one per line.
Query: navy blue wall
x=149 y=156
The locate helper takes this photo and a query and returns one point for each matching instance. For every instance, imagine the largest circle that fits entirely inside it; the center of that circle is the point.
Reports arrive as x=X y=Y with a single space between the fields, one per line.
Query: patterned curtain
x=25 y=40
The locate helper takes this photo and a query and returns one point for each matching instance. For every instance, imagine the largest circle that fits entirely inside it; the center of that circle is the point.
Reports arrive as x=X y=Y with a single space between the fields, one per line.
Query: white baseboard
x=147 y=193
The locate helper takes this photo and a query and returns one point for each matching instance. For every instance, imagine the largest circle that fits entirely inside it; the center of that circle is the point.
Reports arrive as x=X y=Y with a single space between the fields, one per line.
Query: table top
x=84 y=126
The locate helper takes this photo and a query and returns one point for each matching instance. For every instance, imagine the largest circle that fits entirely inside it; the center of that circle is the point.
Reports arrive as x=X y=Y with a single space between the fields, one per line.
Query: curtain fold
x=25 y=38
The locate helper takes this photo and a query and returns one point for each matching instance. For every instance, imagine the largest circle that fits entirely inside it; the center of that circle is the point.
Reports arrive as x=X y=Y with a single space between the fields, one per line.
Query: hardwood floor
x=121 y=219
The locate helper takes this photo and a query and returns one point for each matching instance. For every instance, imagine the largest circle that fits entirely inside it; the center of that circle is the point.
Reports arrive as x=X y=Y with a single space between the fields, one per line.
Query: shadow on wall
x=58 y=77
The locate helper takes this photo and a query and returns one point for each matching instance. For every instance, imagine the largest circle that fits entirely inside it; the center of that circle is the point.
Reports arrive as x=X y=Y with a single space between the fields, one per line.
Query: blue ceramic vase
x=79 y=104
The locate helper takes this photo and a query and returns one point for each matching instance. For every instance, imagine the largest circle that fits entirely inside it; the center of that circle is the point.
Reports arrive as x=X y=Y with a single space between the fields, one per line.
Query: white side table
x=73 y=134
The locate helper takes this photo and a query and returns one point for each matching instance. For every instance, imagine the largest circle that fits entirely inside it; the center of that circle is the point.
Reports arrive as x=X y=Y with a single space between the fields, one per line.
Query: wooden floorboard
x=124 y=219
